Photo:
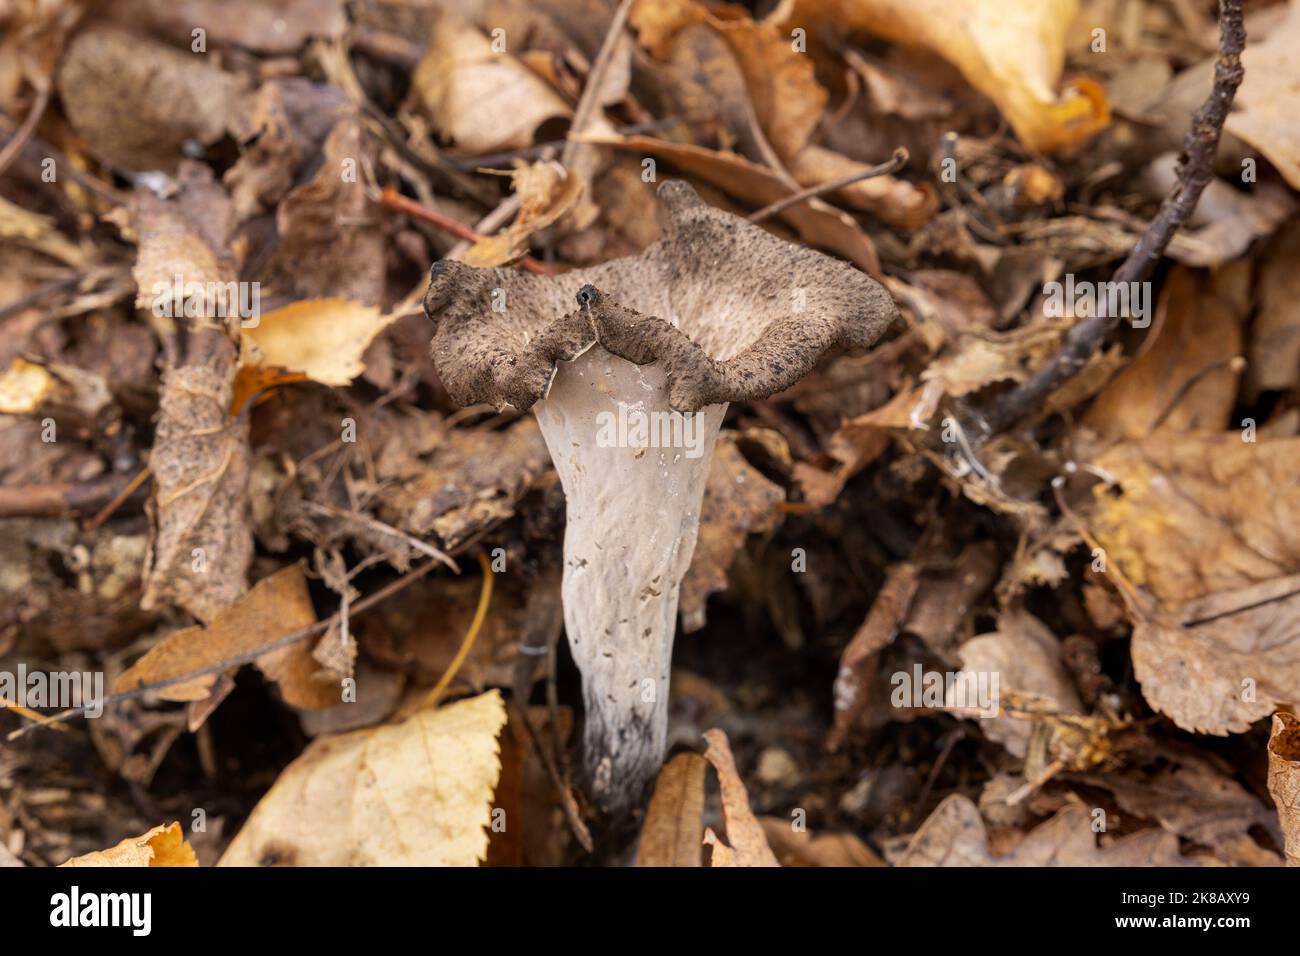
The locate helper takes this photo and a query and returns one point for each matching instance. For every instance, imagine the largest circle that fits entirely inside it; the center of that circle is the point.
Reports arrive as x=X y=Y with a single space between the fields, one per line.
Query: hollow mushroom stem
x=633 y=472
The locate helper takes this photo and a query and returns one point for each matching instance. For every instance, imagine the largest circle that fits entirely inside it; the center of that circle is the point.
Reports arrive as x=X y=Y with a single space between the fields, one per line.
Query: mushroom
x=630 y=389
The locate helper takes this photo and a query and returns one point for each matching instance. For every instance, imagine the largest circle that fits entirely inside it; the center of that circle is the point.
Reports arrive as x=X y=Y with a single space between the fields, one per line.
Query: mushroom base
x=633 y=472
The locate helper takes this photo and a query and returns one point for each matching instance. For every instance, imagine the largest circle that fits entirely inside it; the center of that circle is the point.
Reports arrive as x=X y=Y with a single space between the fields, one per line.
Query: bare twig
x=1194 y=175
x=589 y=103
x=892 y=165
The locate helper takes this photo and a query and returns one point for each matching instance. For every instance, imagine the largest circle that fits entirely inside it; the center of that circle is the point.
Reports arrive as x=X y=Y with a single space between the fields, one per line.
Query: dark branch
x=1199 y=147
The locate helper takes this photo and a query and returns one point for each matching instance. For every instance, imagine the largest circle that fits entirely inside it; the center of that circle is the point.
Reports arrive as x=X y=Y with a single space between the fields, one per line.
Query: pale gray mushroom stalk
x=630 y=388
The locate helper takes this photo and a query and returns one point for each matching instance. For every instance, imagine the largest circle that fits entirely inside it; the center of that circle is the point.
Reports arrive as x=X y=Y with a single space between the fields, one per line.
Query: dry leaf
x=1194 y=514
x=816 y=223
x=1026 y=657
x=1180 y=381
x=738 y=501
x=888 y=198
x=416 y=793
x=1217 y=664
x=482 y=100
x=282 y=27
x=275 y=606
x=801 y=848
x=1284 y=780
x=782 y=90
x=954 y=835
x=748 y=846
x=672 y=834
x=546 y=193
x=1269 y=99
x=162 y=846
x=137 y=102
x=1274 y=350
x=322 y=339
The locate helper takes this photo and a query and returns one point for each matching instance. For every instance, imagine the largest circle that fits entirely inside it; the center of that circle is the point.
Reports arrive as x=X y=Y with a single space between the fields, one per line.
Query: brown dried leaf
x=164 y=845
x=546 y=194
x=137 y=102
x=738 y=501
x=888 y=198
x=673 y=832
x=748 y=844
x=329 y=241
x=274 y=607
x=1013 y=54
x=816 y=223
x=954 y=835
x=1284 y=780
x=417 y=793
x=1269 y=99
x=282 y=27
x=802 y=848
x=482 y=100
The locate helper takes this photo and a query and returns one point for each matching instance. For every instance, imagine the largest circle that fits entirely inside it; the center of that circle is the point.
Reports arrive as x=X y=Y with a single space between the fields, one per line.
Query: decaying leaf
x=954 y=835
x=138 y=102
x=799 y=847
x=1269 y=99
x=748 y=846
x=546 y=194
x=164 y=845
x=673 y=832
x=274 y=607
x=1284 y=780
x=481 y=99
x=738 y=501
x=1013 y=54
x=416 y=793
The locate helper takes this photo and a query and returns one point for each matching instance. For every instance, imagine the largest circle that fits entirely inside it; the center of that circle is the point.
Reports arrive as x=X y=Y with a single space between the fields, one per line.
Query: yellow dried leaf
x=1013 y=53
x=417 y=793
x=162 y=846
x=323 y=339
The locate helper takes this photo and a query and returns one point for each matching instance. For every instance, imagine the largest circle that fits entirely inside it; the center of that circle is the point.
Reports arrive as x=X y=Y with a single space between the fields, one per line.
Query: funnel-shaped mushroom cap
x=731 y=313
x=636 y=360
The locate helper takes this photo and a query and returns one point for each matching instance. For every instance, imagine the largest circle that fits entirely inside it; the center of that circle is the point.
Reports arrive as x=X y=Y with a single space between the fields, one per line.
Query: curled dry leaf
x=954 y=835
x=738 y=501
x=1012 y=53
x=274 y=607
x=816 y=223
x=162 y=846
x=417 y=793
x=748 y=846
x=546 y=194
x=673 y=832
x=783 y=92
x=480 y=99
x=137 y=102
x=1284 y=780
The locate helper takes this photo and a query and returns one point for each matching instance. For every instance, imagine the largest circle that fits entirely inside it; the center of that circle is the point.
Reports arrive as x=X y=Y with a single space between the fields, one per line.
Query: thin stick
x=589 y=102
x=131 y=488
x=1194 y=175
x=892 y=165
x=395 y=200
x=24 y=133
x=476 y=625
